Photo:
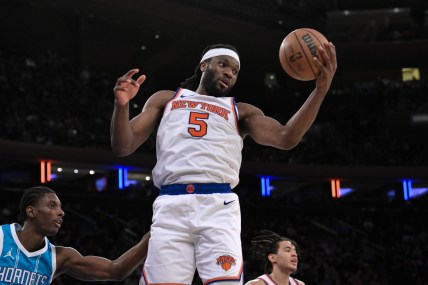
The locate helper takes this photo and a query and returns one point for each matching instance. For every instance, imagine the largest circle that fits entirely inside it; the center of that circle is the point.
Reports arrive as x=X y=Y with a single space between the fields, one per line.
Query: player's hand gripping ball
x=297 y=51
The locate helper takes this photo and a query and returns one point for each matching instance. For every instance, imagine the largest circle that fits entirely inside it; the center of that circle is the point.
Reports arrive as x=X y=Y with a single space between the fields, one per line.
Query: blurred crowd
x=53 y=101
x=342 y=243
x=383 y=25
x=48 y=101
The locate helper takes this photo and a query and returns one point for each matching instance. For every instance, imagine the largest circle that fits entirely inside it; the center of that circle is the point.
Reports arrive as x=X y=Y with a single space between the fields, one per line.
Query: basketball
x=297 y=51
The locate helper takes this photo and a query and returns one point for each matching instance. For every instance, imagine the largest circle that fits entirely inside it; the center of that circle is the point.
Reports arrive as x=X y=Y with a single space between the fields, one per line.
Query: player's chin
x=223 y=91
x=219 y=92
x=52 y=231
x=222 y=87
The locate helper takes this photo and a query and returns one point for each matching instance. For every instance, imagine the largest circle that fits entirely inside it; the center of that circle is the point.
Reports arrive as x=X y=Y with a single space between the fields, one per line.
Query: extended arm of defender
x=95 y=268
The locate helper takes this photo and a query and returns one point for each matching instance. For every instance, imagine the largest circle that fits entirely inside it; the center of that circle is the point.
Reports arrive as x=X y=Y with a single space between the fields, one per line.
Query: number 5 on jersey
x=200 y=125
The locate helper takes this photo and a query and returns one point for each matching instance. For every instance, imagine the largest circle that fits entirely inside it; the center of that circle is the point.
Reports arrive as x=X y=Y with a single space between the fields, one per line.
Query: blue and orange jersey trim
x=177 y=93
x=234 y=107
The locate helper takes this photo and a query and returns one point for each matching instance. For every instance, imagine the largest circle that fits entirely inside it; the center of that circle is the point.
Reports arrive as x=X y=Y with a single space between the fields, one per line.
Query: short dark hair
x=192 y=82
x=267 y=242
x=30 y=197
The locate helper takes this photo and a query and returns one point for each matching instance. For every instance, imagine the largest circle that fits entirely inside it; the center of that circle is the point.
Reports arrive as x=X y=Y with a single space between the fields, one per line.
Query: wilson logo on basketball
x=226 y=262
x=310 y=44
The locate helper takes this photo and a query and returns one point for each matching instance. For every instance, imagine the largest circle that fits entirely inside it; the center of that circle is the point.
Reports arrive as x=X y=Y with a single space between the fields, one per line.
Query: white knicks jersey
x=198 y=141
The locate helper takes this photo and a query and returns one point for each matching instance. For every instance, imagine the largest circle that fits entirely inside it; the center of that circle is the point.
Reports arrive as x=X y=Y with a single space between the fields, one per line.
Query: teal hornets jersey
x=20 y=267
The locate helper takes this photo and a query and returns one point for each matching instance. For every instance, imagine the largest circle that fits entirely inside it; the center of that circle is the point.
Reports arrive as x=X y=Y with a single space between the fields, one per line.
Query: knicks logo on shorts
x=226 y=262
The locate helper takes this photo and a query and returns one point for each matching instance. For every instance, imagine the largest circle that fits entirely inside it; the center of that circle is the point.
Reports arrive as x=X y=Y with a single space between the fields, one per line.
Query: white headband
x=220 y=51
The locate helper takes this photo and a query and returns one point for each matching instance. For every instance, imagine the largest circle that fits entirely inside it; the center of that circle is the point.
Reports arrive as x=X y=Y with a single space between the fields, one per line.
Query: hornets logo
x=226 y=262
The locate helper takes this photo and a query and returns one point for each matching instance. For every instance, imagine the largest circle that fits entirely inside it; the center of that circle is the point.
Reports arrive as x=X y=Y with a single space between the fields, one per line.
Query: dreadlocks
x=192 y=82
x=267 y=242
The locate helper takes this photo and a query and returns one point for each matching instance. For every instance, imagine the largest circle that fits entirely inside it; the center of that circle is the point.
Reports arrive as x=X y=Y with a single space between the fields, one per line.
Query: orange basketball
x=297 y=51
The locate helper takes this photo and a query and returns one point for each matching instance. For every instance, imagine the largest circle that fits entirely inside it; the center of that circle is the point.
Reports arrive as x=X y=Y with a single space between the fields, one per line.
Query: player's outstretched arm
x=127 y=136
x=303 y=119
x=96 y=268
x=268 y=131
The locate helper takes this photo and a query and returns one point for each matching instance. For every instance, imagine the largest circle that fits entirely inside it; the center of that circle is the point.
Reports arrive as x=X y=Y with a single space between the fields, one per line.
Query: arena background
x=352 y=193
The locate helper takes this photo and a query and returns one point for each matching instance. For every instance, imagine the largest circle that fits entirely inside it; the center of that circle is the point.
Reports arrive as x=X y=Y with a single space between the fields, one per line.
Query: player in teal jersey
x=27 y=256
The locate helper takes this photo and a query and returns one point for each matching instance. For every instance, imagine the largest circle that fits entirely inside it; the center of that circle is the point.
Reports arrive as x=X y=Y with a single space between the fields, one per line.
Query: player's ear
x=30 y=212
x=272 y=257
x=203 y=66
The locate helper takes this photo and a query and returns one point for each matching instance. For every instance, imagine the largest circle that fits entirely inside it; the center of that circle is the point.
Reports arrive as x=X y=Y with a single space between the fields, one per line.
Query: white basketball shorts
x=192 y=230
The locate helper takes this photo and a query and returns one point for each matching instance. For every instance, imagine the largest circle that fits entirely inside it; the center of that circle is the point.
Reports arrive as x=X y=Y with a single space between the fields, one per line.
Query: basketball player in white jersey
x=196 y=218
x=27 y=256
x=281 y=257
